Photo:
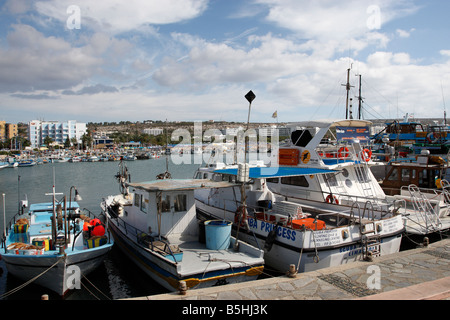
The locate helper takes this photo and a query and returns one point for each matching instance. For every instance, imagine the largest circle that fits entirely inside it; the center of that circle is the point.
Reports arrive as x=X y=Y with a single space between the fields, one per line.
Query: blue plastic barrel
x=218 y=234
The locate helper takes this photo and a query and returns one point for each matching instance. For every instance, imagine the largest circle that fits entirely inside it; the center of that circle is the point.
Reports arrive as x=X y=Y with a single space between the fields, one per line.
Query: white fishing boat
x=320 y=207
x=54 y=244
x=154 y=223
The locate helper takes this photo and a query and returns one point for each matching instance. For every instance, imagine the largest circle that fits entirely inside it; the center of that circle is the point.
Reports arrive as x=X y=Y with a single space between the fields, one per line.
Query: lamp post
x=76 y=198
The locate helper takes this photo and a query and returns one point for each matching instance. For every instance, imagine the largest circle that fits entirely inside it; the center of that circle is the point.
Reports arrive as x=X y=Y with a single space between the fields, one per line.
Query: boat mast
x=360 y=100
x=347 y=87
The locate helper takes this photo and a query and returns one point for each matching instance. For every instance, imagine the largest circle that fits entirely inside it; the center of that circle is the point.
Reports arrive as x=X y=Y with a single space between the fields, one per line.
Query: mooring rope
x=30 y=281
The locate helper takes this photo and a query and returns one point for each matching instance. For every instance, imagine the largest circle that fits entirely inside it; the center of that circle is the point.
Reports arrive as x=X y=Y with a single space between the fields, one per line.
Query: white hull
x=168 y=274
x=313 y=249
x=59 y=278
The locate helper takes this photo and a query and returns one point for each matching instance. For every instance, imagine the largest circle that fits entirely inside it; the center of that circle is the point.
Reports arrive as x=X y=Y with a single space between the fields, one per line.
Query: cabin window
x=137 y=200
x=295 y=181
x=198 y=175
x=394 y=175
x=273 y=180
x=345 y=172
x=144 y=204
x=165 y=203
x=331 y=180
x=179 y=203
x=406 y=175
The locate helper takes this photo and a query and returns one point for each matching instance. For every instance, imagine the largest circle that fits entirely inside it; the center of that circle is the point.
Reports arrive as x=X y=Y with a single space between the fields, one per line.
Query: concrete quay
x=416 y=274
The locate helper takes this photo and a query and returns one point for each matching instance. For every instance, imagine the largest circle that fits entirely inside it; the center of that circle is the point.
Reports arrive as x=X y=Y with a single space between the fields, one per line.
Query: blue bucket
x=218 y=234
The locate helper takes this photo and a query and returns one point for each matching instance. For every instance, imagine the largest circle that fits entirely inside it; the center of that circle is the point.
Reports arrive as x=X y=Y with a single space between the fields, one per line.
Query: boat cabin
x=423 y=173
x=165 y=208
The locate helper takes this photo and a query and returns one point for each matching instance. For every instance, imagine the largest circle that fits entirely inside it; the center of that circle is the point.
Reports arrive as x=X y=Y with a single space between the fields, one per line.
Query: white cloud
x=118 y=16
x=403 y=33
x=35 y=62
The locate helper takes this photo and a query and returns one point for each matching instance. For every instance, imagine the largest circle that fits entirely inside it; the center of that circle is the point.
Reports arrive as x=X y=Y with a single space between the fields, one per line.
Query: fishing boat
x=54 y=243
x=318 y=207
x=154 y=223
x=408 y=135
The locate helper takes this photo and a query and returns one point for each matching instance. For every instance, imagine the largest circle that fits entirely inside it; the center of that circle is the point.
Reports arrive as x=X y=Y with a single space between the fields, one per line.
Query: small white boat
x=129 y=157
x=93 y=159
x=27 y=163
x=155 y=225
x=54 y=254
x=75 y=159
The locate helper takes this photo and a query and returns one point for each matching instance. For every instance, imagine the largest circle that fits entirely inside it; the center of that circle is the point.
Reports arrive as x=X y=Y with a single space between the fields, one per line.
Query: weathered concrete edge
x=401 y=294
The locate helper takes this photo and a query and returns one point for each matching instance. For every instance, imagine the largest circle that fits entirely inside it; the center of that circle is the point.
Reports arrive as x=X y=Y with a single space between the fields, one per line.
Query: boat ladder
x=370 y=240
x=362 y=172
x=425 y=214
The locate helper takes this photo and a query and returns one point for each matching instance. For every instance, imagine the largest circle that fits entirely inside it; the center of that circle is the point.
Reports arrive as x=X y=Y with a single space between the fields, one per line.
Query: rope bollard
x=182 y=287
x=292 y=273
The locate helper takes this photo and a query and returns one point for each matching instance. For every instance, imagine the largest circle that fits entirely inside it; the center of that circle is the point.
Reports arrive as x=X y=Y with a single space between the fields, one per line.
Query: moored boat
x=154 y=223
x=54 y=244
x=316 y=209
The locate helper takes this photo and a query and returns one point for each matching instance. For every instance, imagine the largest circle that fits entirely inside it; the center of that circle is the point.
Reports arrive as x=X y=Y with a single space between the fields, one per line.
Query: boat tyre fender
x=343 y=153
x=271 y=237
x=366 y=155
x=332 y=199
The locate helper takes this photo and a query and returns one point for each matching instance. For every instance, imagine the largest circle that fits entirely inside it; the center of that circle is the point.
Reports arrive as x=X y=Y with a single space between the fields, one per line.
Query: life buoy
x=433 y=137
x=342 y=155
x=366 y=155
x=332 y=199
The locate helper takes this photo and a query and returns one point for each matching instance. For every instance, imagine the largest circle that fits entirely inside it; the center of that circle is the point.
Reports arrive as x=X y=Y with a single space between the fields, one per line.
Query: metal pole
x=4 y=216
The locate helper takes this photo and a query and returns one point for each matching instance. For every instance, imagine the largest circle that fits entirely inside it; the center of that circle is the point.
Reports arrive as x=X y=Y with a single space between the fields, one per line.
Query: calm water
x=117 y=277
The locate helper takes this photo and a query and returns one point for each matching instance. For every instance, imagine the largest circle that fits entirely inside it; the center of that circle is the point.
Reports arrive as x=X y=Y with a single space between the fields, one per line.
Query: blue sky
x=196 y=59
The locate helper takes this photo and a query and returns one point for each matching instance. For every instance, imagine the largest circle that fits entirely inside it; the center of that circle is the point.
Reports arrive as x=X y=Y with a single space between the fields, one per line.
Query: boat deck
x=198 y=258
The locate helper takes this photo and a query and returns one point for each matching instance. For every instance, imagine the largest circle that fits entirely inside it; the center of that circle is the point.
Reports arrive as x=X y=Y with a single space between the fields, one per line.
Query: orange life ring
x=332 y=199
x=366 y=155
x=342 y=155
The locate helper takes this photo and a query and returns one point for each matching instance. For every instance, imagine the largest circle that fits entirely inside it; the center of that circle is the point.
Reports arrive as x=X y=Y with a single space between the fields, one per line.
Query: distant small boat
x=93 y=159
x=75 y=159
x=27 y=163
x=129 y=157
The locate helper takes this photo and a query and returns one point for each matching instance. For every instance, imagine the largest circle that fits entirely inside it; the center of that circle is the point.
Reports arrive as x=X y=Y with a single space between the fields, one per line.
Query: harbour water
x=118 y=277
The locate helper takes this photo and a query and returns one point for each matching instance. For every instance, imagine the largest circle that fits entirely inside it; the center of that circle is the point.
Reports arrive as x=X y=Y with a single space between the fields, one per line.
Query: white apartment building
x=57 y=131
x=153 y=131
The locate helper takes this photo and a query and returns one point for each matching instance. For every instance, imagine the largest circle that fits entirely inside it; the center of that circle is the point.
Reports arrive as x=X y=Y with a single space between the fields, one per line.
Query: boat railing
x=144 y=239
x=426 y=215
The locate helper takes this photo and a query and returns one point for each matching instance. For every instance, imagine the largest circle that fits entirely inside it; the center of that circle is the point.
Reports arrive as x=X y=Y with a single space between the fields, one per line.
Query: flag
x=275 y=115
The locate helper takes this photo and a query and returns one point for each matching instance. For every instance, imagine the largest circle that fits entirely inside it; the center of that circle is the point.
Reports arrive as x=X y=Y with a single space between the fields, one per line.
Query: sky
x=195 y=60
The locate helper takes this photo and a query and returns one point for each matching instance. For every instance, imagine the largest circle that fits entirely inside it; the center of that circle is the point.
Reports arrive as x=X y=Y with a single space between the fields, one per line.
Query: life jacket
x=95 y=227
